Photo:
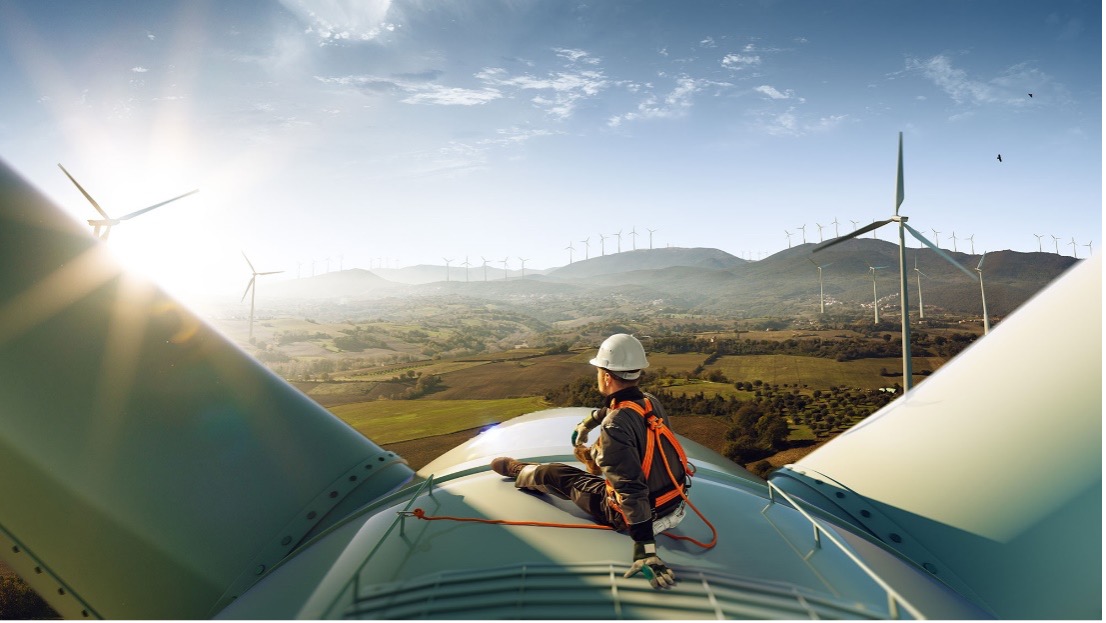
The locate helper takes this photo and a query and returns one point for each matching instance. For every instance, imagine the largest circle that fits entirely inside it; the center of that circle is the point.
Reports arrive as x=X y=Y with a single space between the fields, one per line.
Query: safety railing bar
x=894 y=599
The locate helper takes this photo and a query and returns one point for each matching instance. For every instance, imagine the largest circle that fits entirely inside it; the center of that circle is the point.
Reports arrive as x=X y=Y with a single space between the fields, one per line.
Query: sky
x=337 y=134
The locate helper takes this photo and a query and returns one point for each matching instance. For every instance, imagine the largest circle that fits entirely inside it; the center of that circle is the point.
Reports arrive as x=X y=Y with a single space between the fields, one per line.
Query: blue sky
x=405 y=132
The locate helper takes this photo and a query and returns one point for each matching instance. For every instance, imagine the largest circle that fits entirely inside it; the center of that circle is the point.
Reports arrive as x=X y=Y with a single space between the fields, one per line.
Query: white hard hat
x=621 y=353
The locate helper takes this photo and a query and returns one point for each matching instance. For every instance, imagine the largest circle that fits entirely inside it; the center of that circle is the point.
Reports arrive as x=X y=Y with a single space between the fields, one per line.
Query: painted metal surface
x=990 y=472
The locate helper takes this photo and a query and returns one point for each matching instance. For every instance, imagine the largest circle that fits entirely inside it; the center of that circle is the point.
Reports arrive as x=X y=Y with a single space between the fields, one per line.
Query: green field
x=816 y=372
x=391 y=421
x=708 y=388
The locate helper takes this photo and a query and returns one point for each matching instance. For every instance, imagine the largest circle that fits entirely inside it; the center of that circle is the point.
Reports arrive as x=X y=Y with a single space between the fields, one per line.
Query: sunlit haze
x=360 y=134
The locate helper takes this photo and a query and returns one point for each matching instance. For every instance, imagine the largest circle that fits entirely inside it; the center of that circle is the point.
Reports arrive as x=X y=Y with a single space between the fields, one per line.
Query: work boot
x=506 y=466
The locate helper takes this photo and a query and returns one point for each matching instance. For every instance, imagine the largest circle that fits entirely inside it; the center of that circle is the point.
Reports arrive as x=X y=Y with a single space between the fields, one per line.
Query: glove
x=580 y=433
x=651 y=566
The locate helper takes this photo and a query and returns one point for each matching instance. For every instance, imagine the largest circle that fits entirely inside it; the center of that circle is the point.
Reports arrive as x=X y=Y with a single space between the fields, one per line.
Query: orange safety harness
x=657 y=432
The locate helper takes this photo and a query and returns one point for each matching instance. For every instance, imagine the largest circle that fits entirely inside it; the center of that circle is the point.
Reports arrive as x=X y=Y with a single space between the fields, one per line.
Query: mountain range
x=707 y=280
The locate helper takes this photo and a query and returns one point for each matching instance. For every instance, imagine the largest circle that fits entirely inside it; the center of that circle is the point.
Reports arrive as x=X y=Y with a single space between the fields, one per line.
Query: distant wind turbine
x=1056 y=241
x=921 y=307
x=446 y=268
x=936 y=237
x=971 y=240
x=821 y=289
x=836 y=232
x=986 y=318
x=633 y=238
x=855 y=224
x=251 y=288
x=485 y=267
x=1088 y=245
x=522 y=262
x=1039 y=248
x=107 y=222
x=789 y=234
x=875 y=297
x=820 y=226
x=619 y=236
x=1073 y=251
x=505 y=259
x=602 y=244
x=803 y=228
x=570 y=249
x=466 y=265
x=587 y=246
x=907 y=364
x=954 y=241
x=651 y=238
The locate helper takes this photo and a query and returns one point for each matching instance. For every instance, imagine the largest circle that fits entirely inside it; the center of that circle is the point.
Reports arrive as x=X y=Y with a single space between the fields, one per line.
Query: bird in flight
x=1000 y=157
x=1030 y=95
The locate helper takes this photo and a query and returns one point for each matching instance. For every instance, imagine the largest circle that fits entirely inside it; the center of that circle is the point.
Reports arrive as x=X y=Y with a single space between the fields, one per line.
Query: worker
x=641 y=495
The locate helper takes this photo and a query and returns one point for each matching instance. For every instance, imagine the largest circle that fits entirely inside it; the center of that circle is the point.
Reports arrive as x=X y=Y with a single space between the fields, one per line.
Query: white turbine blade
x=248 y=286
x=980 y=266
x=84 y=192
x=948 y=258
x=252 y=269
x=899 y=194
x=273 y=272
x=157 y=205
x=107 y=232
x=859 y=232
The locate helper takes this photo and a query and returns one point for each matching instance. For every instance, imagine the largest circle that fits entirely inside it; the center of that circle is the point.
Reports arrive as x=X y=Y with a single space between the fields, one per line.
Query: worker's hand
x=580 y=433
x=651 y=566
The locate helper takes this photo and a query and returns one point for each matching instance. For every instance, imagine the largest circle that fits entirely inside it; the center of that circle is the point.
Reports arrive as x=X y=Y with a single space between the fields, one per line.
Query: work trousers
x=585 y=490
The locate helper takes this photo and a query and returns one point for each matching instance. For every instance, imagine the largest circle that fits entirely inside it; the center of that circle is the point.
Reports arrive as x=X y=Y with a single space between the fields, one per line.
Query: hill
x=646 y=259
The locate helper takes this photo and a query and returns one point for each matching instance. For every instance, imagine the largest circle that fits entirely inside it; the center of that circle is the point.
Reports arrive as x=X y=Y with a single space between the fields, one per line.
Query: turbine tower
x=986 y=318
x=921 y=307
x=954 y=241
x=485 y=267
x=1039 y=236
x=602 y=244
x=971 y=240
x=875 y=297
x=820 y=226
x=788 y=234
x=107 y=222
x=907 y=364
x=447 y=268
x=1088 y=245
x=855 y=224
x=936 y=237
x=821 y=288
x=522 y=261
x=651 y=238
x=1056 y=241
x=251 y=288
x=570 y=249
x=836 y=232
x=1073 y=251
x=803 y=228
x=466 y=265
x=633 y=238
x=619 y=236
x=505 y=259
x=587 y=246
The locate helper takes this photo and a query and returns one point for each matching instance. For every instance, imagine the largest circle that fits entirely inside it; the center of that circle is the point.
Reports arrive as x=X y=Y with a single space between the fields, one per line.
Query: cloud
x=791 y=123
x=576 y=56
x=738 y=62
x=771 y=92
x=674 y=104
x=562 y=91
x=336 y=21
x=139 y=70
x=708 y=42
x=417 y=89
x=1009 y=87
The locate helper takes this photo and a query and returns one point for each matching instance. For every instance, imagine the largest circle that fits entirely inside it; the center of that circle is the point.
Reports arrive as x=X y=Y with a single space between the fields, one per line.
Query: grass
x=816 y=372
x=709 y=389
x=391 y=421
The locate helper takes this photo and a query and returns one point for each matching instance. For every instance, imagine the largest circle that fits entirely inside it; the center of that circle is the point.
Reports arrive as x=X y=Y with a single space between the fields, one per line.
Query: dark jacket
x=622 y=443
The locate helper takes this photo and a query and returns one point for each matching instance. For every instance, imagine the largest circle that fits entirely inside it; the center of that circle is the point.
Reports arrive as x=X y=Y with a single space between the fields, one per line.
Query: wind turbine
x=602 y=244
x=971 y=240
x=788 y=234
x=619 y=236
x=836 y=232
x=954 y=241
x=505 y=258
x=986 y=318
x=821 y=289
x=447 y=268
x=1088 y=245
x=1073 y=251
x=820 y=226
x=587 y=246
x=651 y=238
x=907 y=364
x=251 y=288
x=107 y=222
x=921 y=307
x=522 y=261
x=936 y=236
x=466 y=265
x=1039 y=236
x=803 y=228
x=485 y=267
x=570 y=249
x=875 y=297
x=1056 y=241
x=633 y=238
x=855 y=224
